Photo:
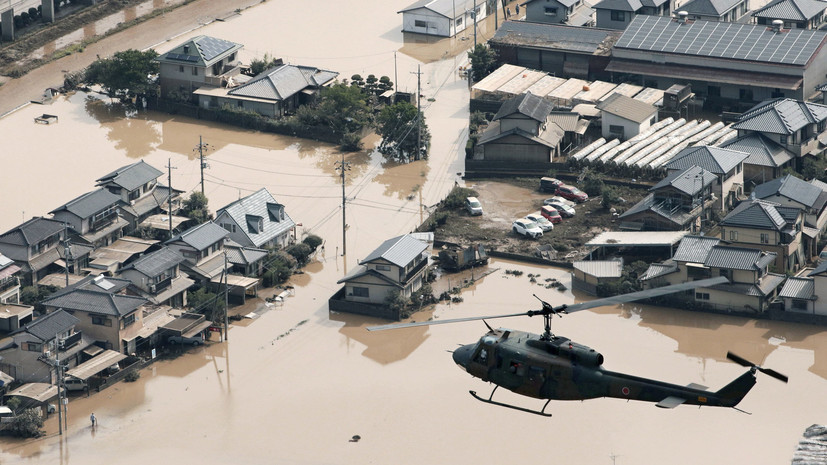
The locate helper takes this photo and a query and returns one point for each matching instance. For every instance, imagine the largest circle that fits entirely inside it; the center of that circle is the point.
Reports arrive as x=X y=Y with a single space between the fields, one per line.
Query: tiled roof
x=527 y=104
x=756 y=213
x=549 y=137
x=690 y=181
x=798 y=288
x=48 y=326
x=791 y=10
x=131 y=177
x=238 y=255
x=155 y=263
x=261 y=204
x=656 y=270
x=400 y=250
x=737 y=258
x=695 y=249
x=283 y=81
x=720 y=39
x=96 y=302
x=821 y=268
x=362 y=270
x=679 y=217
x=89 y=203
x=762 y=150
x=202 y=236
x=793 y=188
x=709 y=7
x=618 y=5
x=556 y=36
x=566 y=120
x=32 y=232
x=627 y=108
x=713 y=159
x=781 y=116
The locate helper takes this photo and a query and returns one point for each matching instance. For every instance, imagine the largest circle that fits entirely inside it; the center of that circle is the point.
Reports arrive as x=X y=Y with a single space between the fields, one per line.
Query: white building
x=445 y=18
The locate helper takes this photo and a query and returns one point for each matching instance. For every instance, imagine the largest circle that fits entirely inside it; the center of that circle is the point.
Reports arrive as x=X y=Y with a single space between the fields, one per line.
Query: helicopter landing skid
x=514 y=407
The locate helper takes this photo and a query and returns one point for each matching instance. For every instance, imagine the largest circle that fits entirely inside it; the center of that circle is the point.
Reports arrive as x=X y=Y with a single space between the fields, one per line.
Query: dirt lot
x=503 y=201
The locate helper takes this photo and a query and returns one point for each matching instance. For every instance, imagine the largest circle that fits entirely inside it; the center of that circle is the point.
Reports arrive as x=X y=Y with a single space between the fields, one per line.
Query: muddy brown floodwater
x=296 y=384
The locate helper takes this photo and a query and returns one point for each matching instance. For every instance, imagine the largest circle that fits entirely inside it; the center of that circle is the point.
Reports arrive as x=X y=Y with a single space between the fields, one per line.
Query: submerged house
x=257 y=220
x=445 y=18
x=202 y=61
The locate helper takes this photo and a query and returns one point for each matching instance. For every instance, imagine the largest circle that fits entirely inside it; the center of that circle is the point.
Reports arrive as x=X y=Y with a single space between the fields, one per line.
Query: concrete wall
x=536 y=12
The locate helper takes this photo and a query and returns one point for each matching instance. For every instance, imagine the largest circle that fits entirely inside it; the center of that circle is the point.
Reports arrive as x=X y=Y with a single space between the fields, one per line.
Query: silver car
x=541 y=221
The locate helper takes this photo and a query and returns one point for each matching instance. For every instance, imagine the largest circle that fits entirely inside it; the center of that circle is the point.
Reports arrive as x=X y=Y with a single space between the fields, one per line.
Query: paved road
x=15 y=92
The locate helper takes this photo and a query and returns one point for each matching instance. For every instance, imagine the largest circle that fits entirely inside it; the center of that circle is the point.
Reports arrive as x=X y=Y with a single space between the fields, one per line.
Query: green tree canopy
x=397 y=124
x=342 y=107
x=195 y=207
x=483 y=61
x=258 y=66
x=126 y=74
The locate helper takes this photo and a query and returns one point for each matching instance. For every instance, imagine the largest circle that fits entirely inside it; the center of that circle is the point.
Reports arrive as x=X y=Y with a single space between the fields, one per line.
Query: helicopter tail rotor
x=746 y=363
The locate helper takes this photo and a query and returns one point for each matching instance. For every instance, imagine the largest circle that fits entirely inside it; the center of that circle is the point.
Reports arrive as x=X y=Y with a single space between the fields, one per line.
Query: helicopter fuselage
x=560 y=369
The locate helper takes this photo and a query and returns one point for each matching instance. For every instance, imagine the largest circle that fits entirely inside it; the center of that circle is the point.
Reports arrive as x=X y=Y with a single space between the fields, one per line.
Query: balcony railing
x=160 y=286
x=8 y=283
x=69 y=342
x=104 y=221
x=404 y=278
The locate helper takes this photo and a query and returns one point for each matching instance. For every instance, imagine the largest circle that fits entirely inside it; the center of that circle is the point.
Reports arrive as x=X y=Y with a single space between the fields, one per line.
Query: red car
x=551 y=214
x=572 y=193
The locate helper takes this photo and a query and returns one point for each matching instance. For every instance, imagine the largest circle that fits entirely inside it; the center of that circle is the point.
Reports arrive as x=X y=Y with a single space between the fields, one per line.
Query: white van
x=74 y=384
x=473 y=205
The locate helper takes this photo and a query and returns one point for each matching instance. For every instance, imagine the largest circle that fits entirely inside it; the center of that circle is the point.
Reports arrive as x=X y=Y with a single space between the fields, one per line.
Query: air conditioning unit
x=47 y=354
x=152 y=289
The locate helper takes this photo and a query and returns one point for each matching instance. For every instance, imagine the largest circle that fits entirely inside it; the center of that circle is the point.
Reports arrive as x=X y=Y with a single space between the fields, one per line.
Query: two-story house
x=793 y=124
x=715 y=10
x=805 y=294
x=751 y=288
x=808 y=197
x=140 y=193
x=680 y=201
x=398 y=265
x=35 y=246
x=94 y=217
x=796 y=14
x=571 y=12
x=30 y=355
x=765 y=160
x=156 y=277
x=521 y=132
x=617 y=14
x=257 y=220
x=770 y=227
x=202 y=61
x=726 y=164
x=445 y=18
x=202 y=247
x=9 y=281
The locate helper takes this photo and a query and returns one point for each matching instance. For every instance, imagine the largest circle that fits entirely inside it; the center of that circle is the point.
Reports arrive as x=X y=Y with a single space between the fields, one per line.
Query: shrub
x=351 y=142
x=27 y=424
x=300 y=251
x=313 y=241
x=456 y=198
x=132 y=376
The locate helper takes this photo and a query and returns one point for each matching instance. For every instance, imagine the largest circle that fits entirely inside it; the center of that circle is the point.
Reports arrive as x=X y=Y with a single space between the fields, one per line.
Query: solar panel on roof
x=179 y=57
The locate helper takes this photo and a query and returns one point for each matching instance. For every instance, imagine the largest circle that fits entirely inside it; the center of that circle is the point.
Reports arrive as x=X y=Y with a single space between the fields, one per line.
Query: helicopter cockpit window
x=482 y=356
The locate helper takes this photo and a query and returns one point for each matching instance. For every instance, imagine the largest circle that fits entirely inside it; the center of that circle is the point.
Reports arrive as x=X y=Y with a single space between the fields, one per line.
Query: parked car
x=541 y=221
x=558 y=199
x=565 y=210
x=74 y=384
x=527 y=228
x=473 y=205
x=193 y=341
x=572 y=193
x=551 y=214
x=549 y=184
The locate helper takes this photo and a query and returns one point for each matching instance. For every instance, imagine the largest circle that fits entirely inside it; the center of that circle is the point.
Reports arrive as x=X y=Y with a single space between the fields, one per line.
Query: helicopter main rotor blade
x=647 y=294
x=440 y=322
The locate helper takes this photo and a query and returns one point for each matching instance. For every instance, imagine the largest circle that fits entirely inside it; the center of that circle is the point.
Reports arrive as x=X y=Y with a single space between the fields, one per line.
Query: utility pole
x=395 y=78
x=67 y=251
x=169 y=193
x=59 y=375
x=202 y=147
x=418 y=112
x=226 y=300
x=343 y=166
x=474 y=17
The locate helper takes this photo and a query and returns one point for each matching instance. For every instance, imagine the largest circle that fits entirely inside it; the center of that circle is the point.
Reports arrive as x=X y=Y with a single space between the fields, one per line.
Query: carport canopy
x=97 y=364
x=38 y=392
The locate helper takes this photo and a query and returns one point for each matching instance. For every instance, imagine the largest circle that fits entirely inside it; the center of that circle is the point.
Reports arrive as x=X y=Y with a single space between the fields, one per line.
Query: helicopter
x=552 y=367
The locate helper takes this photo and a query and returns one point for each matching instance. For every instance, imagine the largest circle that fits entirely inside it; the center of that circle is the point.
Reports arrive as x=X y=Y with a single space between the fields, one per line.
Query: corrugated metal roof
x=400 y=250
x=733 y=41
x=690 y=181
x=781 y=116
x=627 y=108
x=131 y=177
x=821 y=268
x=793 y=188
x=713 y=159
x=791 y=10
x=709 y=7
x=600 y=268
x=637 y=238
x=756 y=213
x=89 y=203
x=556 y=37
x=244 y=255
x=762 y=150
x=32 y=232
x=736 y=258
x=526 y=104
x=695 y=249
x=798 y=288
x=202 y=236
x=567 y=120
x=261 y=204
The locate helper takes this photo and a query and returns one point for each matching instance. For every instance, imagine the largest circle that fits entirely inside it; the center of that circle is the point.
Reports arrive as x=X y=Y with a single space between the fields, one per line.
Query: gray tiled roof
x=131 y=177
x=781 y=116
x=550 y=137
x=554 y=36
x=695 y=249
x=687 y=181
x=821 y=268
x=527 y=104
x=283 y=81
x=679 y=217
x=798 y=288
x=202 y=236
x=445 y=8
x=737 y=258
x=201 y=50
x=758 y=214
x=566 y=120
x=709 y=7
x=656 y=270
x=238 y=255
x=32 y=231
x=618 y=5
x=713 y=159
x=50 y=325
x=89 y=203
x=155 y=263
x=793 y=188
x=260 y=204
x=791 y=10
x=717 y=39
x=400 y=250
x=627 y=108
x=100 y=303
x=762 y=150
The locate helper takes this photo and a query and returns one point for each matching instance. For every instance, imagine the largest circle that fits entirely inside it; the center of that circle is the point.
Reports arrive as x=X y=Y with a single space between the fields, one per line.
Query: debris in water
x=812 y=449
x=355 y=438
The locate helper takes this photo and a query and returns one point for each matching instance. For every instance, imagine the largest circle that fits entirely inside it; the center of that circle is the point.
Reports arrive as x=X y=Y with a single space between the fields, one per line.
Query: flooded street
x=295 y=385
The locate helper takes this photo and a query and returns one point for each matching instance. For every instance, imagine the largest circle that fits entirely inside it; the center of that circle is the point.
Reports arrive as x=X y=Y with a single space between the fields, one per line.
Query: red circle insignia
x=625 y=391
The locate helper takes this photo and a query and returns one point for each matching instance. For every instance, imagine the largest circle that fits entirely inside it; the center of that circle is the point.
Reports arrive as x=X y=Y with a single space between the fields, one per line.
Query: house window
x=782 y=140
x=383 y=267
x=617 y=130
x=765 y=238
x=229 y=227
x=702 y=296
x=459 y=22
x=231 y=57
x=360 y=292
x=777 y=93
x=618 y=15
x=714 y=91
x=34 y=347
x=550 y=11
x=745 y=95
x=180 y=68
x=194 y=71
x=101 y=321
x=733 y=235
x=420 y=23
x=128 y=320
x=799 y=304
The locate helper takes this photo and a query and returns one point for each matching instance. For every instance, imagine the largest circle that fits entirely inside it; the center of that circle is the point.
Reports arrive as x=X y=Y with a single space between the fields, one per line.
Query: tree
x=341 y=107
x=259 y=66
x=27 y=424
x=483 y=61
x=195 y=207
x=397 y=124
x=126 y=74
